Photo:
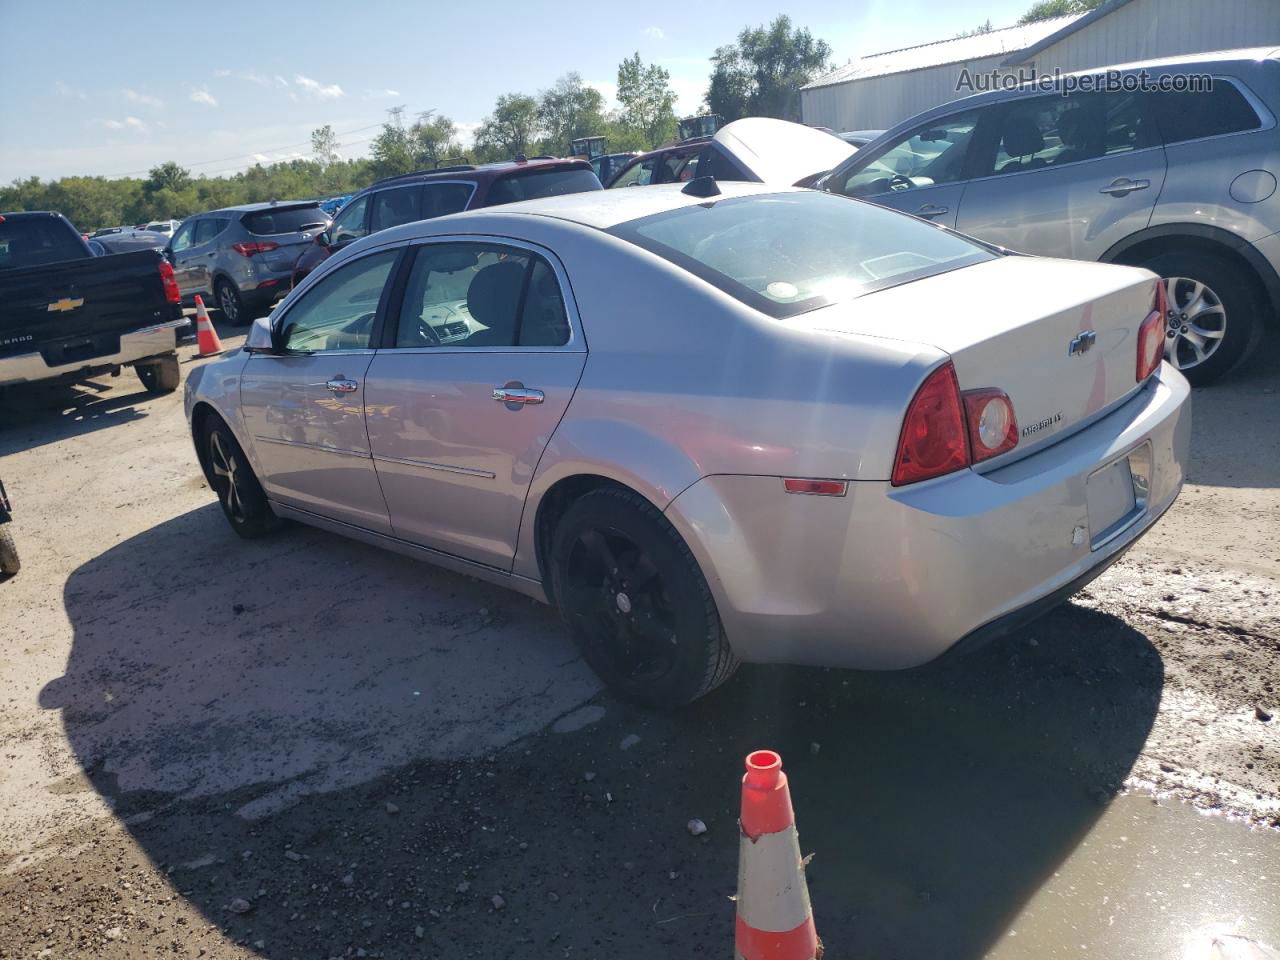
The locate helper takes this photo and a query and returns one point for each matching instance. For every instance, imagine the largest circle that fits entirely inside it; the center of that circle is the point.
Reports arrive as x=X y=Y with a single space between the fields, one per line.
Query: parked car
x=127 y=240
x=164 y=227
x=756 y=149
x=607 y=165
x=10 y=563
x=1181 y=183
x=445 y=190
x=65 y=313
x=712 y=423
x=243 y=259
x=332 y=205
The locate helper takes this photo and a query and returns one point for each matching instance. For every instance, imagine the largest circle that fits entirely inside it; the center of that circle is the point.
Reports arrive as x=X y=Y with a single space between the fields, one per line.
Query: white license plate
x=1111 y=500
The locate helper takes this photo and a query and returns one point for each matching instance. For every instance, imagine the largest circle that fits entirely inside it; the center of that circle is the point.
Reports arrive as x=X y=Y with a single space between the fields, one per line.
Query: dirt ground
x=305 y=747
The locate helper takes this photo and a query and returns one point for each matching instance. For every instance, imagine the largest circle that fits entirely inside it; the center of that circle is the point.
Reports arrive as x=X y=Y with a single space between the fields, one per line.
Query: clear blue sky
x=115 y=87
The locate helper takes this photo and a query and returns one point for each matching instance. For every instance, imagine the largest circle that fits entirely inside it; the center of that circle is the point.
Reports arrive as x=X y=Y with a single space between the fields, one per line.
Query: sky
x=114 y=88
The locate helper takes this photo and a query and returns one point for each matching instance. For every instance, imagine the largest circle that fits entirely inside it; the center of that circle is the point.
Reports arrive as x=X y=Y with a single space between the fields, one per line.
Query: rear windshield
x=29 y=242
x=285 y=220
x=541 y=182
x=787 y=253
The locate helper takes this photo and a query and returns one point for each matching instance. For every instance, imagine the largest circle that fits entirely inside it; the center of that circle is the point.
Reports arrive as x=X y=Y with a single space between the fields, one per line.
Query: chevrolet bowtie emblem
x=1082 y=343
x=65 y=304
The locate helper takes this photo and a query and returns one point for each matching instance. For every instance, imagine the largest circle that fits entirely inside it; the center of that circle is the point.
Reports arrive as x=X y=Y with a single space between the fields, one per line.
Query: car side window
x=350 y=223
x=929 y=155
x=206 y=230
x=639 y=174
x=339 y=311
x=1209 y=113
x=1054 y=131
x=439 y=199
x=182 y=239
x=481 y=295
x=394 y=207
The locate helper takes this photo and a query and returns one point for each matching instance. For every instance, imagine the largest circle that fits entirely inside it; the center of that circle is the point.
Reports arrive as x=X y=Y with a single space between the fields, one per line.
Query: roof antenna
x=702 y=187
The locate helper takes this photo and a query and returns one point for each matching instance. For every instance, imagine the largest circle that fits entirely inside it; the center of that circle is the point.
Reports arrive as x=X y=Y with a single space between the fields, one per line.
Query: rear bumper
x=135 y=345
x=887 y=578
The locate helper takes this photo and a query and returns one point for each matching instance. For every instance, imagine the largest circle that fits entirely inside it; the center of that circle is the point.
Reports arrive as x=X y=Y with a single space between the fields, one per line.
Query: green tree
x=433 y=138
x=570 y=109
x=392 y=150
x=324 y=145
x=167 y=176
x=977 y=31
x=1046 y=9
x=648 y=102
x=761 y=75
x=512 y=128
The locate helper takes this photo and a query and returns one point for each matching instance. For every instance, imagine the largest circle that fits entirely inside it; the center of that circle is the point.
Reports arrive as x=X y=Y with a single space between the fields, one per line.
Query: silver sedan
x=712 y=423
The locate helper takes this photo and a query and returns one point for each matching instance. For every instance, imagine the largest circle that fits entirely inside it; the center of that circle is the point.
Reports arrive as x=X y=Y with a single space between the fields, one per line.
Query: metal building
x=882 y=89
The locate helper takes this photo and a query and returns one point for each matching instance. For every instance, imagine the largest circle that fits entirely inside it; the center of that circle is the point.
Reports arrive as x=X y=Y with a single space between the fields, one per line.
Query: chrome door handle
x=517 y=395
x=930 y=210
x=341 y=384
x=1123 y=186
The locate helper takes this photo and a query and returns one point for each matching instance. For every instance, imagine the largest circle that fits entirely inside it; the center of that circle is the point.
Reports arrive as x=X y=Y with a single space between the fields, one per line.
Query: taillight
x=933 y=439
x=251 y=249
x=171 y=292
x=993 y=428
x=1151 y=335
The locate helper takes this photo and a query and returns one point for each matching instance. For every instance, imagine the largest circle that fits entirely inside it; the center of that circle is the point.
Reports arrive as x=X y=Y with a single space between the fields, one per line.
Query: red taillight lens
x=1151 y=335
x=252 y=249
x=171 y=292
x=933 y=439
x=993 y=427
x=817 y=488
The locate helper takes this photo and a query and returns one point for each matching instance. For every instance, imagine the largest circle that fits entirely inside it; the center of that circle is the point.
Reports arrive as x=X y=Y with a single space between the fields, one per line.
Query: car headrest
x=1022 y=136
x=494 y=294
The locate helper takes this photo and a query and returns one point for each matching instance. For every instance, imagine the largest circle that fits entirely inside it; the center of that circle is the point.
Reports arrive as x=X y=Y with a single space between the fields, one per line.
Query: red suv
x=434 y=193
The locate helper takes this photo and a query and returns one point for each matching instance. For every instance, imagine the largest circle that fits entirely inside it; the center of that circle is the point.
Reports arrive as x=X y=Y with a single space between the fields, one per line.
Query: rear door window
x=1054 y=131
x=440 y=199
x=206 y=230
x=1192 y=116
x=29 y=242
x=394 y=207
x=284 y=220
x=541 y=182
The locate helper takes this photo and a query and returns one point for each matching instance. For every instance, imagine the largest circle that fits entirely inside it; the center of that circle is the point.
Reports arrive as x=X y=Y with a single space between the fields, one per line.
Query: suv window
x=206 y=230
x=678 y=166
x=1190 y=116
x=1053 y=131
x=338 y=312
x=394 y=207
x=350 y=223
x=439 y=199
x=182 y=239
x=537 y=183
x=27 y=242
x=284 y=220
x=928 y=155
x=639 y=174
x=481 y=295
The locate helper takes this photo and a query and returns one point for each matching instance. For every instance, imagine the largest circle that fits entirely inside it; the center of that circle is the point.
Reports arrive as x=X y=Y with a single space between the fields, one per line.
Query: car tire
x=9 y=561
x=636 y=603
x=1227 y=305
x=243 y=501
x=230 y=302
x=160 y=375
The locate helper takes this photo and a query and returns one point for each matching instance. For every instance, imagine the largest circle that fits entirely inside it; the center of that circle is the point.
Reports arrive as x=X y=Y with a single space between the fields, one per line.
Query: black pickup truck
x=65 y=313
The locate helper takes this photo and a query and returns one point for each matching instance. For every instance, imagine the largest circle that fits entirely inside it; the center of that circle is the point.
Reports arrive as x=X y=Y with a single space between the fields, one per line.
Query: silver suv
x=1181 y=183
x=242 y=259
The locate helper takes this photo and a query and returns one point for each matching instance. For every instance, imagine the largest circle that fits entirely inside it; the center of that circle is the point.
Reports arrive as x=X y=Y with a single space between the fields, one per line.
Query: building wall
x=1140 y=30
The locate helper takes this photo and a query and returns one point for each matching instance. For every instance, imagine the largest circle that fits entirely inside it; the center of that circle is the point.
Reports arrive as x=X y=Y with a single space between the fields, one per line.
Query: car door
x=304 y=406
x=921 y=172
x=180 y=255
x=475 y=375
x=1070 y=176
x=204 y=252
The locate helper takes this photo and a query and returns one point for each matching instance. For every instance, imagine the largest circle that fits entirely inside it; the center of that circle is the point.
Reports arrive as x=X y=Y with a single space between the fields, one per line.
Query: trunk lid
x=782 y=153
x=1060 y=337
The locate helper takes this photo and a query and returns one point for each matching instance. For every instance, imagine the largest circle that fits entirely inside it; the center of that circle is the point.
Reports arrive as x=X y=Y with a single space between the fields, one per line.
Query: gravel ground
x=305 y=747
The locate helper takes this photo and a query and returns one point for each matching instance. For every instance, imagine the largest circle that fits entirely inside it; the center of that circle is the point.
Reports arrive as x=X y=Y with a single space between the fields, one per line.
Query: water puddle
x=1162 y=882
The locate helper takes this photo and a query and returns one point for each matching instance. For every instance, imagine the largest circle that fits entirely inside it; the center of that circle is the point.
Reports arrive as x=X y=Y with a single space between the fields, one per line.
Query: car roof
x=268 y=205
x=481 y=171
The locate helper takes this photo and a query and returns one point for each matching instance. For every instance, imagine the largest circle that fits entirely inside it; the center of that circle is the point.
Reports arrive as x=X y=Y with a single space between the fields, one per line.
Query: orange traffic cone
x=206 y=337
x=775 y=921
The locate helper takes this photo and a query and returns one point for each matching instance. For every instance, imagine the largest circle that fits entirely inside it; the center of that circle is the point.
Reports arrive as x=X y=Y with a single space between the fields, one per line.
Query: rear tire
x=243 y=501
x=9 y=562
x=636 y=603
x=160 y=375
x=230 y=303
x=1210 y=294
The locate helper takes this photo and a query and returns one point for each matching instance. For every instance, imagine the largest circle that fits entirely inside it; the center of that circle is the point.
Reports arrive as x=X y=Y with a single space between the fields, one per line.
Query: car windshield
x=284 y=219
x=537 y=183
x=788 y=253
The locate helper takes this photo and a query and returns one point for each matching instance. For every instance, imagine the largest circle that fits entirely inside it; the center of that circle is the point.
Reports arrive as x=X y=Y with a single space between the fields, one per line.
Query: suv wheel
x=1214 y=316
x=229 y=301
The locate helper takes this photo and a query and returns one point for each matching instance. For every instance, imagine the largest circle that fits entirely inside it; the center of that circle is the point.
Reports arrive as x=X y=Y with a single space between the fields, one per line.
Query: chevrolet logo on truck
x=65 y=304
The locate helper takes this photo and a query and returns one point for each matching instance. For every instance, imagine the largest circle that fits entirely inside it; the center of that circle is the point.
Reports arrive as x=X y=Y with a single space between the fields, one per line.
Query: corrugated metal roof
x=959 y=50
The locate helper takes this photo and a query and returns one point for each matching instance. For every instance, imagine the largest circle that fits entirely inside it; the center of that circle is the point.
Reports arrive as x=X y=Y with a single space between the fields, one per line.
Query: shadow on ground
x=1235 y=424
x=361 y=749
x=36 y=414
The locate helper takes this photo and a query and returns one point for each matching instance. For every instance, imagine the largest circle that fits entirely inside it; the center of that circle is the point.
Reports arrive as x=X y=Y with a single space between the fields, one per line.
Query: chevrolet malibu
x=712 y=423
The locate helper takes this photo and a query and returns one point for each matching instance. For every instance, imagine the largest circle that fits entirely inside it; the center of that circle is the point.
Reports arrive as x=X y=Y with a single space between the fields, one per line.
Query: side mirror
x=323 y=239
x=260 y=339
x=167 y=253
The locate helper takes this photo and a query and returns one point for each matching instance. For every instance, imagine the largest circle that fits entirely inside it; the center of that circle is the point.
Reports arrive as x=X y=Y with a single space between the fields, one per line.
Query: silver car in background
x=712 y=423
x=1182 y=183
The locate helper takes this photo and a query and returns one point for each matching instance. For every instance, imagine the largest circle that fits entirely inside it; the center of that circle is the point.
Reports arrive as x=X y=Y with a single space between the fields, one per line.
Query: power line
x=239 y=167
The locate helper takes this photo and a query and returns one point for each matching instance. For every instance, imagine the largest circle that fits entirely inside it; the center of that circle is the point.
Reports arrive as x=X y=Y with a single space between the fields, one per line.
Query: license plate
x=1116 y=496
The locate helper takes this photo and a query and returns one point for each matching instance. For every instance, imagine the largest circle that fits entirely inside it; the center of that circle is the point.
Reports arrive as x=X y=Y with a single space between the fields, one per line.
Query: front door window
x=338 y=313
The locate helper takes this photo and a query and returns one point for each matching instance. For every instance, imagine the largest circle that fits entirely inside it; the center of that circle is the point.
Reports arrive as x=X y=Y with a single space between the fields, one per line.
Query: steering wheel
x=427 y=333
x=900 y=182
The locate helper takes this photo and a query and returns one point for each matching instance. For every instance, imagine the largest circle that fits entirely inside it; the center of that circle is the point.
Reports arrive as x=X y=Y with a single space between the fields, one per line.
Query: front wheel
x=229 y=302
x=241 y=497
x=9 y=562
x=636 y=603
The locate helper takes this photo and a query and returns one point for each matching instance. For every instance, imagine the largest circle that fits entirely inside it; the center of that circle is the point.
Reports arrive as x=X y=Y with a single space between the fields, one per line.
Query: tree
x=324 y=145
x=391 y=150
x=433 y=138
x=1046 y=9
x=648 y=102
x=570 y=109
x=977 y=31
x=167 y=175
x=761 y=75
x=512 y=128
